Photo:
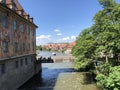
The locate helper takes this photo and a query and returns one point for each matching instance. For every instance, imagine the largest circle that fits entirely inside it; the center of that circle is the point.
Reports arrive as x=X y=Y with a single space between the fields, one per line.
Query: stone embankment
x=67 y=58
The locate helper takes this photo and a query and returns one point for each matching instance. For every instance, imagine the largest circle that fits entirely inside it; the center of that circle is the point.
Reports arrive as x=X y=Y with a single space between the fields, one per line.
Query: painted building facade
x=17 y=46
x=17 y=30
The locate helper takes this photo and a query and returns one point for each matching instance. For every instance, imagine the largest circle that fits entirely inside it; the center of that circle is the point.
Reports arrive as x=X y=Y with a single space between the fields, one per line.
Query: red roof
x=72 y=44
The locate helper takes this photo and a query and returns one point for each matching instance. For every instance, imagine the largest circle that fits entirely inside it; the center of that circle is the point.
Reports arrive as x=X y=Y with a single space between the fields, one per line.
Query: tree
x=84 y=48
x=39 y=47
x=107 y=28
x=102 y=40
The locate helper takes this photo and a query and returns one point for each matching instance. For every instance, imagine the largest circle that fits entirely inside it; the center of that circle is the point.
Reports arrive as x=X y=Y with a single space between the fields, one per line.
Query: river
x=50 y=53
x=60 y=76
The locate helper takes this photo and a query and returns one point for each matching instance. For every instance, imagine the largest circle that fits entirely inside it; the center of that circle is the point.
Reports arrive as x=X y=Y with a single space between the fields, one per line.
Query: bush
x=83 y=65
x=110 y=82
x=104 y=69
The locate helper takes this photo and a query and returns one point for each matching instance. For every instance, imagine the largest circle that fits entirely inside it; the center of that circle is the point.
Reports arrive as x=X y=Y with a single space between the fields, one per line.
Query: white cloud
x=57 y=30
x=67 y=39
x=73 y=37
x=43 y=39
x=59 y=34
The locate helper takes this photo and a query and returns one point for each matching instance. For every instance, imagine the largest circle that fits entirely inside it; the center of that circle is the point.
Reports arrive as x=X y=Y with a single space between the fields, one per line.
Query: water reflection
x=59 y=76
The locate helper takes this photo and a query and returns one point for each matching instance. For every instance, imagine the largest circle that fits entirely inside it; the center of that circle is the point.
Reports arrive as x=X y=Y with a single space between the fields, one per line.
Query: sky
x=60 y=21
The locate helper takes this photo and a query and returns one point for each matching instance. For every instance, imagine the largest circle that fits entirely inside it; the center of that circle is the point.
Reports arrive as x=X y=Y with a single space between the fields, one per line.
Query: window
x=26 y=62
x=31 y=58
x=4 y=21
x=16 y=47
x=5 y=49
x=21 y=62
x=33 y=32
x=16 y=64
x=14 y=25
x=22 y=28
x=2 y=68
x=23 y=46
x=33 y=45
x=28 y=30
x=29 y=46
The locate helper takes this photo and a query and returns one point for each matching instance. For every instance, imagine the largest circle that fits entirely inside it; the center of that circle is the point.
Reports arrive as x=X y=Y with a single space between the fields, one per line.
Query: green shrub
x=104 y=69
x=110 y=82
x=81 y=65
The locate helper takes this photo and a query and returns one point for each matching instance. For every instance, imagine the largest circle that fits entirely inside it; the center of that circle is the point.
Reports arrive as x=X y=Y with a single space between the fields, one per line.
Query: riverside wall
x=16 y=71
x=68 y=58
x=55 y=59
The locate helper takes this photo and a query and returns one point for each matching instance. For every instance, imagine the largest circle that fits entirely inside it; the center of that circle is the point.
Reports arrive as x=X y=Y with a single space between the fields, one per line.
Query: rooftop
x=15 y=6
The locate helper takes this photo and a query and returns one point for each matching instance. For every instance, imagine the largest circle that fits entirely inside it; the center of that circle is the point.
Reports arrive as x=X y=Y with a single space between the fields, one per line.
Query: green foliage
x=104 y=69
x=39 y=48
x=110 y=81
x=103 y=36
x=78 y=65
x=107 y=28
x=101 y=42
x=84 y=48
x=101 y=80
x=107 y=3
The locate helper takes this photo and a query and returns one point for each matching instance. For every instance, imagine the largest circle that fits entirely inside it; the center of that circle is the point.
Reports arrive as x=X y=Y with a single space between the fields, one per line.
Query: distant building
x=17 y=45
x=56 y=46
x=70 y=46
x=67 y=47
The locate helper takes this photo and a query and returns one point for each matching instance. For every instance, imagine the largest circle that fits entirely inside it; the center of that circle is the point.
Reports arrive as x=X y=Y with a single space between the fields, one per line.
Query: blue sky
x=60 y=20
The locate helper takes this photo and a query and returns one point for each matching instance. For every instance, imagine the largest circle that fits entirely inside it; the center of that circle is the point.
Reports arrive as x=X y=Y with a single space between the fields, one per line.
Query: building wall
x=14 y=72
x=16 y=33
x=17 y=49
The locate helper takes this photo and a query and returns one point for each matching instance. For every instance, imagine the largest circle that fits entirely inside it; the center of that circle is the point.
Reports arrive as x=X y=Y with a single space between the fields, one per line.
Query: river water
x=49 y=53
x=60 y=76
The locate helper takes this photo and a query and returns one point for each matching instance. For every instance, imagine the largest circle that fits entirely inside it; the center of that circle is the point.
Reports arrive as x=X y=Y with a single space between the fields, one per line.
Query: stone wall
x=68 y=58
x=16 y=71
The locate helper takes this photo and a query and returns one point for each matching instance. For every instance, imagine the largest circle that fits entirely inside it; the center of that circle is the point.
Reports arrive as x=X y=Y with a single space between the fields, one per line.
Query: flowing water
x=60 y=76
